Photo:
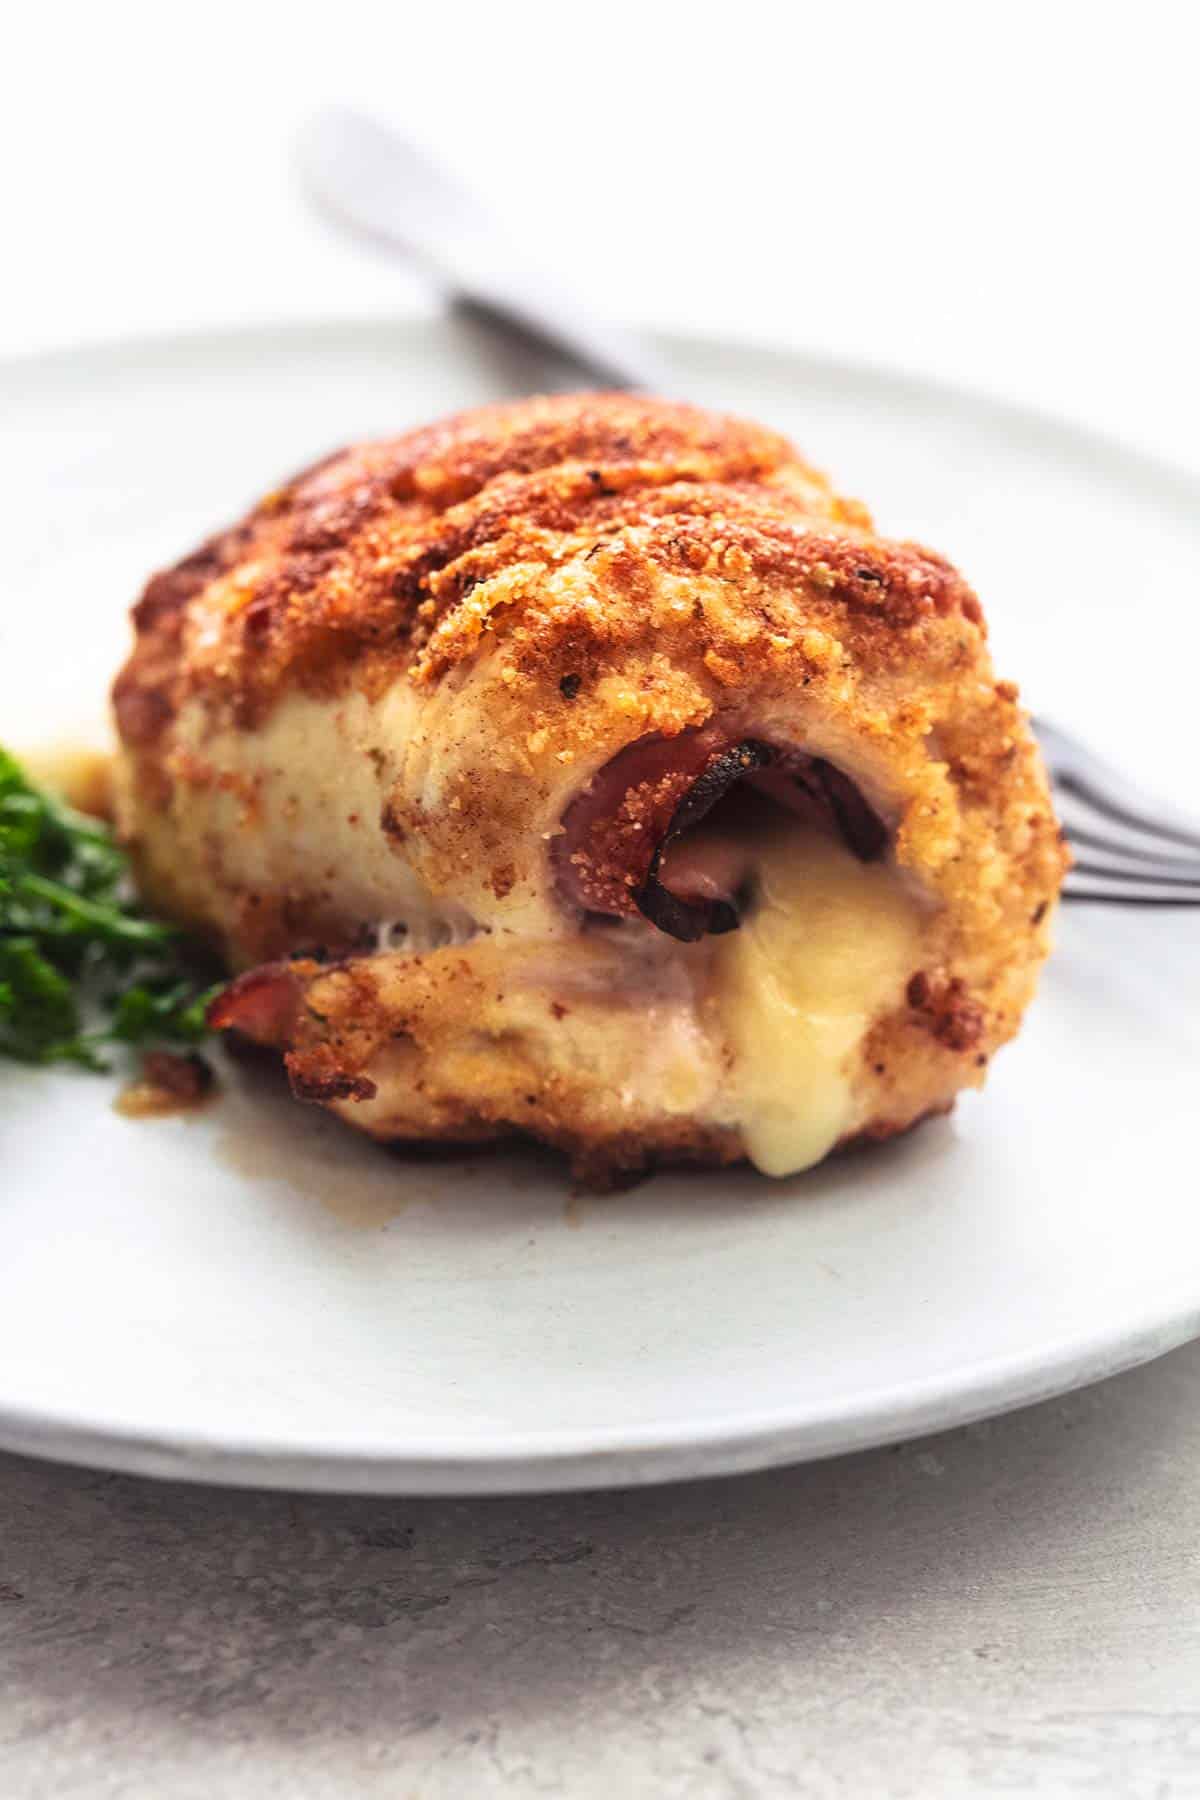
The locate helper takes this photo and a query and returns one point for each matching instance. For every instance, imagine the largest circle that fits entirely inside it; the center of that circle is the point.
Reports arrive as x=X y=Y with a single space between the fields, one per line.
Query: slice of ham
x=625 y=848
x=613 y=829
x=263 y=1004
x=695 y=901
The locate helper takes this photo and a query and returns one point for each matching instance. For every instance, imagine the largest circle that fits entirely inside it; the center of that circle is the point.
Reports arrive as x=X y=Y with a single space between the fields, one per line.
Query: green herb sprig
x=81 y=966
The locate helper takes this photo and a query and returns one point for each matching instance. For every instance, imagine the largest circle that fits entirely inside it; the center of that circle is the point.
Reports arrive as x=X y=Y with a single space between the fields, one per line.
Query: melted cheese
x=829 y=944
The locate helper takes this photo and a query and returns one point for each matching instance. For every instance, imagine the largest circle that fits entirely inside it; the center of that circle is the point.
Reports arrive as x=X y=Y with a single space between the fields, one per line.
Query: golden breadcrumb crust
x=552 y=581
x=375 y=556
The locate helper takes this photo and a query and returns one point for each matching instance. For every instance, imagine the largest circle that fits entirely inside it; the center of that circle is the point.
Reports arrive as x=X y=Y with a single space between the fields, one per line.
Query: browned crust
x=944 y=1007
x=376 y=551
x=334 y=1022
x=331 y=1023
x=611 y=570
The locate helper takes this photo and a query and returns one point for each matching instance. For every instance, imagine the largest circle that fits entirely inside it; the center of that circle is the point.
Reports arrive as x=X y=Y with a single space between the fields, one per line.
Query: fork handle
x=520 y=306
x=387 y=189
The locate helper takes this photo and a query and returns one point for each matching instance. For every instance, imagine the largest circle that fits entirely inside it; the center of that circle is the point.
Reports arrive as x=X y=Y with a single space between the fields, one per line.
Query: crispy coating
x=377 y=696
x=374 y=558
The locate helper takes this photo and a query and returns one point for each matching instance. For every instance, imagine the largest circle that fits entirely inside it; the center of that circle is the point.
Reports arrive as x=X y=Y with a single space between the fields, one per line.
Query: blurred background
x=1000 y=195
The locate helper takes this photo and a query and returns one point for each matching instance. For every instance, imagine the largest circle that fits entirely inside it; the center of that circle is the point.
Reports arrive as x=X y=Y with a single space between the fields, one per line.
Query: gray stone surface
x=1009 y=1609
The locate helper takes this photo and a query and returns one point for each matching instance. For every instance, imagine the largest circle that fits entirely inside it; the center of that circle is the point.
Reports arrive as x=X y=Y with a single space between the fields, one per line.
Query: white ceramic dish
x=253 y=1295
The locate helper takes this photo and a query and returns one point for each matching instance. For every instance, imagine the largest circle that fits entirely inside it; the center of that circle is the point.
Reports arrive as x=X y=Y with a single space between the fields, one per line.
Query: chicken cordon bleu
x=586 y=768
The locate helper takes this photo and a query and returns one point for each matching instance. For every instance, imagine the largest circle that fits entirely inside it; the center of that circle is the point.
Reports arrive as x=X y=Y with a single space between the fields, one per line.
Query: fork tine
x=1101 y=814
x=1131 y=851
x=1135 y=877
x=1080 y=775
x=1119 y=895
x=1072 y=783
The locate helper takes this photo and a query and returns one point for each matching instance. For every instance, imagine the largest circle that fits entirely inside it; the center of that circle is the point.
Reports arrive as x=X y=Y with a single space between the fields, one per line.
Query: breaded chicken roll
x=586 y=768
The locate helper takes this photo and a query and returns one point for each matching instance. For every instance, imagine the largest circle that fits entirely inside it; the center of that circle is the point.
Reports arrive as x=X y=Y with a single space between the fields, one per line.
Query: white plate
x=254 y=1295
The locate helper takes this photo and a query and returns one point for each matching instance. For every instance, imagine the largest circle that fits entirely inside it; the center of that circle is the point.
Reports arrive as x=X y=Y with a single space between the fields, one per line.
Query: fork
x=1127 y=850
x=384 y=188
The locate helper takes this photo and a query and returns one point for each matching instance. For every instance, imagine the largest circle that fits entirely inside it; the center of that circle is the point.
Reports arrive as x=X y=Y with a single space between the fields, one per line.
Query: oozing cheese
x=828 y=945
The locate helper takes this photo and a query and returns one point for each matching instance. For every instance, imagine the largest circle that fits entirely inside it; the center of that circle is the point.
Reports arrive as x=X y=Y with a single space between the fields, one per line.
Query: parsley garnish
x=81 y=966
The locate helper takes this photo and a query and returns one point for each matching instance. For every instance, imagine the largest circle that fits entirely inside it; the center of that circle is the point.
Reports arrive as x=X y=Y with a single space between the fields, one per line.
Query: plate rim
x=607 y=1456
x=1150 y=464
x=650 y=1452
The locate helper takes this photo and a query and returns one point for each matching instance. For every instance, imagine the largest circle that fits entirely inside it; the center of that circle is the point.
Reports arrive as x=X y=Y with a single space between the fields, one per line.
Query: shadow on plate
x=267 y=1137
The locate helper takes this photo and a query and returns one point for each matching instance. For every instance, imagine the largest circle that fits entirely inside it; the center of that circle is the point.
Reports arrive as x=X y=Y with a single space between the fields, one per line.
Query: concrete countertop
x=1009 y=1609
